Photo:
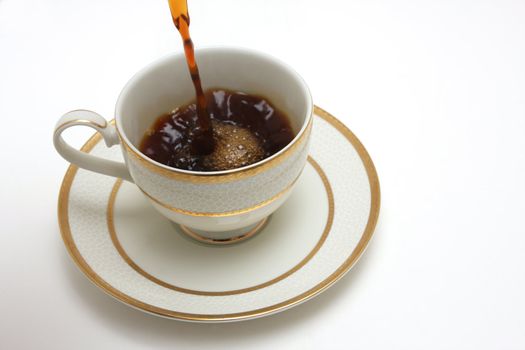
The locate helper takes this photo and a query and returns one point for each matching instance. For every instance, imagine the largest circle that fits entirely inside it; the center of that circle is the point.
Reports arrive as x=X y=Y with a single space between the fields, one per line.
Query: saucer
x=139 y=257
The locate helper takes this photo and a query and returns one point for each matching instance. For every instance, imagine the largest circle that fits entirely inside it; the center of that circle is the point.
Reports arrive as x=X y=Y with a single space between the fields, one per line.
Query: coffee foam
x=235 y=147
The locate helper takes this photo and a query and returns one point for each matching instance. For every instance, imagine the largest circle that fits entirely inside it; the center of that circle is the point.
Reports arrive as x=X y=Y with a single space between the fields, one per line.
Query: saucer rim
x=65 y=230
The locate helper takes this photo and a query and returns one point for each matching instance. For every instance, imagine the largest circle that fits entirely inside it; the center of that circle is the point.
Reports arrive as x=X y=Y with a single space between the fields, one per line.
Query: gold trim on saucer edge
x=63 y=204
x=328 y=226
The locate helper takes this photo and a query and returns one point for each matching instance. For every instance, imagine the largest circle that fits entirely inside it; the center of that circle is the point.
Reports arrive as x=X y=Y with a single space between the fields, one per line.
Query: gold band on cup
x=227 y=213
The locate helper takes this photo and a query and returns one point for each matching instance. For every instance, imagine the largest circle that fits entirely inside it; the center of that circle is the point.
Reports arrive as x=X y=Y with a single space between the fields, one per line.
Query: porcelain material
x=220 y=203
x=134 y=254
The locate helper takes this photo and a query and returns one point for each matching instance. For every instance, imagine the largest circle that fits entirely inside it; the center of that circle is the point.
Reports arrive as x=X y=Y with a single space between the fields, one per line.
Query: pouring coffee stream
x=203 y=141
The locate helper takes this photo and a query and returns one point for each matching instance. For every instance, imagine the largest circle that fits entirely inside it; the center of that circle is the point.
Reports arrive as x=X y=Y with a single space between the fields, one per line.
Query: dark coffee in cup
x=245 y=129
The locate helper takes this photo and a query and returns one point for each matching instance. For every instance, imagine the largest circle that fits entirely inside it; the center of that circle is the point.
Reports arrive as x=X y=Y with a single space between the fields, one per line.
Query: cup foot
x=225 y=238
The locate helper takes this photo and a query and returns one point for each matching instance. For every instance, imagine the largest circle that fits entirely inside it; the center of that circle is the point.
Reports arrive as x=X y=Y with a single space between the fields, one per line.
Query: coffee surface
x=245 y=129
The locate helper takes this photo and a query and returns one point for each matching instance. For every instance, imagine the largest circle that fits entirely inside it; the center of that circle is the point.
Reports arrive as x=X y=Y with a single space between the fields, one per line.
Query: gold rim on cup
x=223 y=176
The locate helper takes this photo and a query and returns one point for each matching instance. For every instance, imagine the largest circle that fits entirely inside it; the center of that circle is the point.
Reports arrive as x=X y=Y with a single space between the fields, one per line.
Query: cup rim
x=172 y=170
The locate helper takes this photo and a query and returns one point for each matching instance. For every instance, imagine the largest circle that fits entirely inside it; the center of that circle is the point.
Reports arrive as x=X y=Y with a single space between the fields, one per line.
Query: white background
x=434 y=89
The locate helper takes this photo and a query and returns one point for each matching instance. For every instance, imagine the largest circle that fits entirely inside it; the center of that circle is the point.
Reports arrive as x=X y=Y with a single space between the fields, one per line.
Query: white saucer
x=137 y=256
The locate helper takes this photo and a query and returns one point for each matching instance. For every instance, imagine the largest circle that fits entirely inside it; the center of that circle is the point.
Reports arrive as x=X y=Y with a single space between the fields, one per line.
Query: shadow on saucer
x=136 y=325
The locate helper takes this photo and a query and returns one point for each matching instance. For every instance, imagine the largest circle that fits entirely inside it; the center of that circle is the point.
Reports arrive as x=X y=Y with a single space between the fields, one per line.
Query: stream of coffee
x=202 y=138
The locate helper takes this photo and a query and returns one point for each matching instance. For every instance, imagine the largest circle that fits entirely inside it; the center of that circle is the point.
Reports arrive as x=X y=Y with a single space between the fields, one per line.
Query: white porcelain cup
x=220 y=206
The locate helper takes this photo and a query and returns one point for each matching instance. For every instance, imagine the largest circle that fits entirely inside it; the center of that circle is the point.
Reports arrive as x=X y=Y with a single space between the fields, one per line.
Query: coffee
x=245 y=129
x=221 y=130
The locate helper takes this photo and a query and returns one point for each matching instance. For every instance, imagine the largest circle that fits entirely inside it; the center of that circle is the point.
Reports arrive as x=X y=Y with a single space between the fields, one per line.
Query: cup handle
x=85 y=160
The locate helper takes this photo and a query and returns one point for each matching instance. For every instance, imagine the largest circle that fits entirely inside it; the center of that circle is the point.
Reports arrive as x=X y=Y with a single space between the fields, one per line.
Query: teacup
x=215 y=206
